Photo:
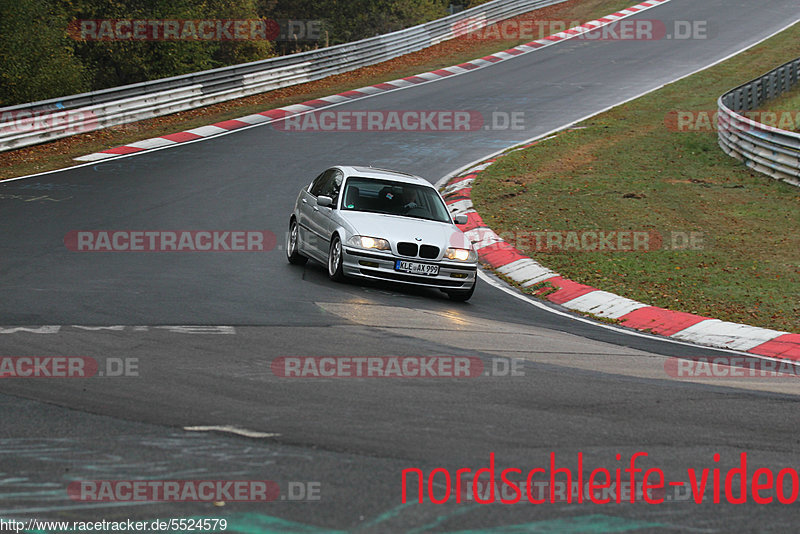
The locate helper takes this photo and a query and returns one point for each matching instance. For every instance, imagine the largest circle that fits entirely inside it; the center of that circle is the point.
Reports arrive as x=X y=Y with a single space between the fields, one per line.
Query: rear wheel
x=462 y=295
x=335 y=271
x=292 y=249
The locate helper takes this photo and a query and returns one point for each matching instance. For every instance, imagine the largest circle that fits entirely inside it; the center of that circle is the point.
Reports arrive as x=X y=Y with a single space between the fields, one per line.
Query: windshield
x=394 y=198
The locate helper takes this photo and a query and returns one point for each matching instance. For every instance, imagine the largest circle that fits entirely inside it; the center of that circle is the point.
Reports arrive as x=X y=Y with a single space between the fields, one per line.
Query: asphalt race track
x=581 y=388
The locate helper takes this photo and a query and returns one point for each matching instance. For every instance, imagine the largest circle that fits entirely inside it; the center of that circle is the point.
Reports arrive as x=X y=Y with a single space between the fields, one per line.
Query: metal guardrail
x=28 y=124
x=763 y=148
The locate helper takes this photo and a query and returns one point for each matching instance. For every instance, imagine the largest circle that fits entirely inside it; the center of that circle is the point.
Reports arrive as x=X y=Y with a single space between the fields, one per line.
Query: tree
x=37 y=58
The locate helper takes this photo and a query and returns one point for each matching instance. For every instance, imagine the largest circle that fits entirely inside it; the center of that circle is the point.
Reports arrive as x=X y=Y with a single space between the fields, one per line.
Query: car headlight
x=363 y=241
x=461 y=254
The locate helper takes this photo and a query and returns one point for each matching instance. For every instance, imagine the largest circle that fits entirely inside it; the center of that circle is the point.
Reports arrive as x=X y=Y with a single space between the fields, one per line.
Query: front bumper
x=452 y=275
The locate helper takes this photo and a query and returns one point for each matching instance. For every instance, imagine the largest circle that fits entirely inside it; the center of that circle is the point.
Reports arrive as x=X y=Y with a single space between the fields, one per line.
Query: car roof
x=383 y=174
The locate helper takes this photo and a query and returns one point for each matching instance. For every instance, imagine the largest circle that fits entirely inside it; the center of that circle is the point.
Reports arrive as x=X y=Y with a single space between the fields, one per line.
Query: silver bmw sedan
x=386 y=225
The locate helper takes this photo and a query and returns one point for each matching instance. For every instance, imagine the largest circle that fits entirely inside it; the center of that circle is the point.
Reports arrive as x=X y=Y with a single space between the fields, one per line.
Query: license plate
x=416 y=268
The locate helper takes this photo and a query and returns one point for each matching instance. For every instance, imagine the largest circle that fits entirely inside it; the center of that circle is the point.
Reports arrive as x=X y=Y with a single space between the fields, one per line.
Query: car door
x=307 y=208
x=326 y=215
x=317 y=218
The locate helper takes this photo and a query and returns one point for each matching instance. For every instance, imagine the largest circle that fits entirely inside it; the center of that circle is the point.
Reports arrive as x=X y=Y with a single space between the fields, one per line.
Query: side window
x=332 y=186
x=318 y=184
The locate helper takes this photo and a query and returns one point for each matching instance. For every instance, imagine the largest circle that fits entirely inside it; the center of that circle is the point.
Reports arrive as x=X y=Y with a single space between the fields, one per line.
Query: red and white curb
x=278 y=114
x=511 y=263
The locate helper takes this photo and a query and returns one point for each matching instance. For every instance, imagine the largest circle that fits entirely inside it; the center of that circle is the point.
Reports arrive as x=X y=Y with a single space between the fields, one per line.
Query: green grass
x=748 y=269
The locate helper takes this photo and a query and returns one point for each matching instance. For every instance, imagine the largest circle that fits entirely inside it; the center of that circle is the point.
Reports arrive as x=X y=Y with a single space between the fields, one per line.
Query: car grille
x=407 y=249
x=429 y=251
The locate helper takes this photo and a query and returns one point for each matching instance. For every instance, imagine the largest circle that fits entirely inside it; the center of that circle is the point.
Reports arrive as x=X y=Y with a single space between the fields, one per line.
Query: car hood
x=396 y=228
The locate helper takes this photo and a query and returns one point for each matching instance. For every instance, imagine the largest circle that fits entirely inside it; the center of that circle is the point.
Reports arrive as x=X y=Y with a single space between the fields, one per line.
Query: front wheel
x=335 y=271
x=292 y=249
x=462 y=295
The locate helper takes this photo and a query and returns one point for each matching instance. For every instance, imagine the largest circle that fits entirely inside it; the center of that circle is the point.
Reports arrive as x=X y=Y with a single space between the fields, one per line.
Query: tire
x=462 y=295
x=292 y=249
x=335 y=271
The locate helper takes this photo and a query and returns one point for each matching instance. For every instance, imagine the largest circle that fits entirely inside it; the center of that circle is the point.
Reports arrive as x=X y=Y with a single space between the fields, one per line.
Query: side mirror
x=324 y=201
x=461 y=219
